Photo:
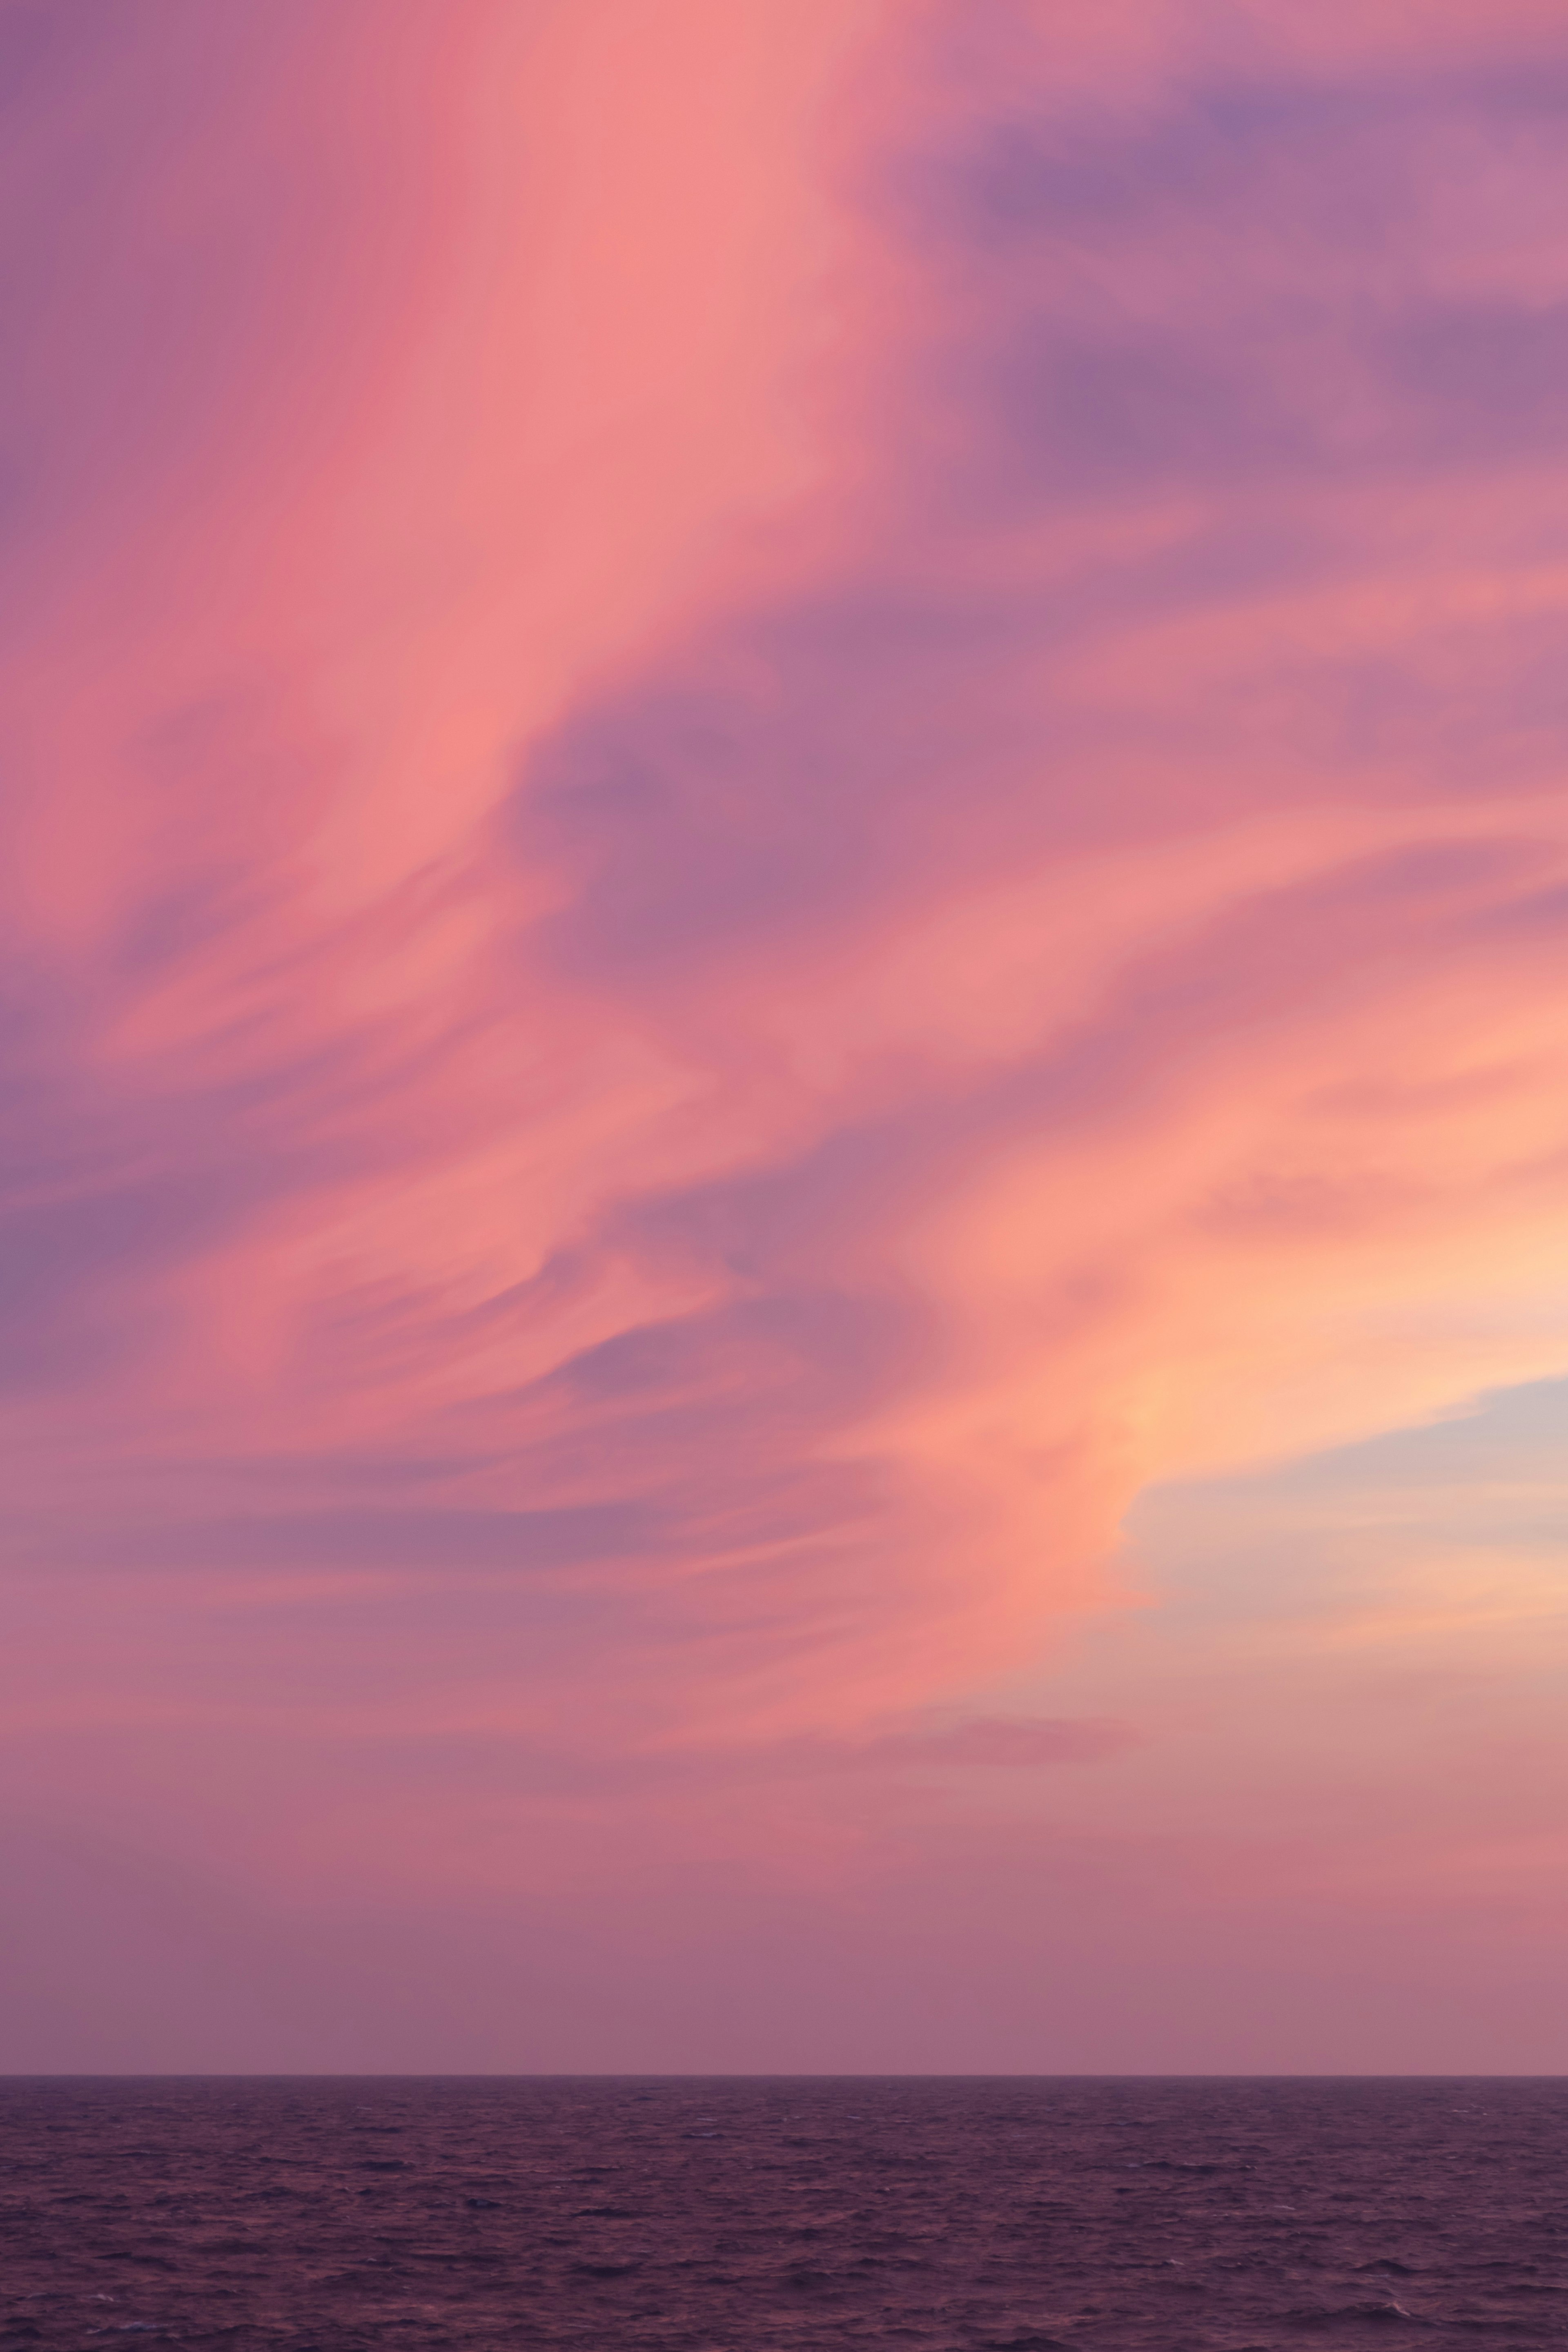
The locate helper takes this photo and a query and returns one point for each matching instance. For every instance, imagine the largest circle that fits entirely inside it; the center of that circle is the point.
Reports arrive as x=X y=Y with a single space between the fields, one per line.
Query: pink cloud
x=785 y=798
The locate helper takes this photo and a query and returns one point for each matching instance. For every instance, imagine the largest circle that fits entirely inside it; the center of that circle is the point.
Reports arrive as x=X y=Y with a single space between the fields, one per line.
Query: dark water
x=743 y=2215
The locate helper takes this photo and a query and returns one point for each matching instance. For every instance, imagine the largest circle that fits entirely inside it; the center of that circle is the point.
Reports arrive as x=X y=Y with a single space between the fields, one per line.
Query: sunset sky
x=783 y=1035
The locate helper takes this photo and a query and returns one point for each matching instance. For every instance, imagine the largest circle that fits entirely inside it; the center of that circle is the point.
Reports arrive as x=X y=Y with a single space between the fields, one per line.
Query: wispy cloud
x=784 y=794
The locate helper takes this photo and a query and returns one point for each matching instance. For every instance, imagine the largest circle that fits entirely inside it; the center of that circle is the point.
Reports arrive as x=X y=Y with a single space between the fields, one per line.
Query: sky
x=783 y=1090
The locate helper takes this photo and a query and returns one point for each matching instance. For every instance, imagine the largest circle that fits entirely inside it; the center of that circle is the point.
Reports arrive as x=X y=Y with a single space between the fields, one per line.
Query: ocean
x=997 y=2214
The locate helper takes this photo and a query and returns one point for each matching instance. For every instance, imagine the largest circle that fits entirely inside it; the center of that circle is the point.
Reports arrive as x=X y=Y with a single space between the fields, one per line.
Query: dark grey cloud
x=767 y=791
x=1234 y=287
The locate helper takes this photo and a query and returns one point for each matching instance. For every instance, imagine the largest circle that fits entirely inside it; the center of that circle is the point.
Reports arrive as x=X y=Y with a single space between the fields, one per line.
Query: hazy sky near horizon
x=784 y=1034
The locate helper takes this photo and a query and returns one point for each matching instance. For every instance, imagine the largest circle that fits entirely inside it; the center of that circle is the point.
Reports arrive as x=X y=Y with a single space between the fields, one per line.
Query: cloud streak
x=757 y=843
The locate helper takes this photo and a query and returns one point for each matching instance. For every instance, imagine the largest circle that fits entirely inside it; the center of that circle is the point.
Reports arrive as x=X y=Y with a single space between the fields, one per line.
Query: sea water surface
x=741 y=2215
